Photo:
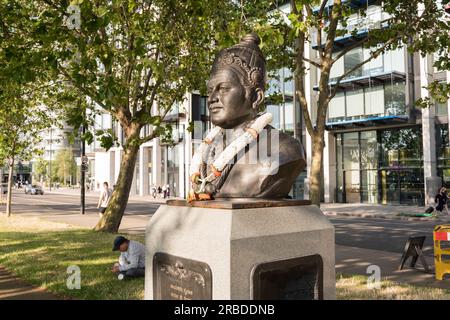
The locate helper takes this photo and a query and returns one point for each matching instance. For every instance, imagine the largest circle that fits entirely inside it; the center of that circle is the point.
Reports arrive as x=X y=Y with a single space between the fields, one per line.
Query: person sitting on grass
x=132 y=258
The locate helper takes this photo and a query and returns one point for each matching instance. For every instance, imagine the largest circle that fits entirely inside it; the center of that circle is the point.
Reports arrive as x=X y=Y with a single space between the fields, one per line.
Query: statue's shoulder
x=290 y=148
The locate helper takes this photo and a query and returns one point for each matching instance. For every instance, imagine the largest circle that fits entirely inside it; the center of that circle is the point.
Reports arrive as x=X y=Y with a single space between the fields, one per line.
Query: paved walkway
x=352 y=260
x=377 y=211
x=12 y=288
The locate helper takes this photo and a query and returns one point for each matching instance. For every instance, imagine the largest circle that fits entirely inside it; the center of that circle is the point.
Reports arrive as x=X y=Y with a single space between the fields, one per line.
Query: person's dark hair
x=118 y=241
x=105 y=183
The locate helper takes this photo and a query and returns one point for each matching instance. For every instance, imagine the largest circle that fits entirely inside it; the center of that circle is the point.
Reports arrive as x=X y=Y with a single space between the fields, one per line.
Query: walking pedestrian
x=104 y=198
x=159 y=191
x=164 y=189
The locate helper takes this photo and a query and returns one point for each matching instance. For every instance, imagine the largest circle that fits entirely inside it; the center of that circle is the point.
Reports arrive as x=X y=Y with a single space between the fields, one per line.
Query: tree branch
x=314 y=63
x=321 y=9
x=147 y=138
x=334 y=20
x=310 y=13
x=349 y=48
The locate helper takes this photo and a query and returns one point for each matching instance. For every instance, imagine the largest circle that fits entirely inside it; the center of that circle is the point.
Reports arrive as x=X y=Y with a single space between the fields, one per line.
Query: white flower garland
x=251 y=133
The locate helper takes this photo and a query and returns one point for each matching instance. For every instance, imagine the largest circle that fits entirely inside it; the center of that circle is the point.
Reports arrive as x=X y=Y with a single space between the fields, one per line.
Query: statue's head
x=236 y=84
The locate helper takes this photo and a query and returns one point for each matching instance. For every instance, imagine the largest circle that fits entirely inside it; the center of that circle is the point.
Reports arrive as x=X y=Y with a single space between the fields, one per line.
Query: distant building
x=54 y=140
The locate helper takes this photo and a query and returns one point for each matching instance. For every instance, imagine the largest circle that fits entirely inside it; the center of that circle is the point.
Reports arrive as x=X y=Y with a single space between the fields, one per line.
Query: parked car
x=34 y=189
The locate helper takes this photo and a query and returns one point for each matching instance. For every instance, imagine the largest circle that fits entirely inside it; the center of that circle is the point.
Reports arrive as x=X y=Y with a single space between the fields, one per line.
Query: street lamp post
x=50 y=162
x=84 y=163
x=83 y=172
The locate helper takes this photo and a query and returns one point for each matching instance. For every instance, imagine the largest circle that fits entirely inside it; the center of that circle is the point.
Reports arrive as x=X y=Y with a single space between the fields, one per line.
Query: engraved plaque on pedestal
x=177 y=278
x=291 y=279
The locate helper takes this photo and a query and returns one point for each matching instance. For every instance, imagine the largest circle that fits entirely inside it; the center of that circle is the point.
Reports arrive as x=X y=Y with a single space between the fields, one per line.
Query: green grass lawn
x=40 y=252
x=355 y=287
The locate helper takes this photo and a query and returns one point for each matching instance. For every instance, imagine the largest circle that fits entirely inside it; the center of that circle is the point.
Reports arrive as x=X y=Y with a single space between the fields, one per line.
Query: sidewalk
x=12 y=288
x=352 y=260
x=96 y=194
x=365 y=210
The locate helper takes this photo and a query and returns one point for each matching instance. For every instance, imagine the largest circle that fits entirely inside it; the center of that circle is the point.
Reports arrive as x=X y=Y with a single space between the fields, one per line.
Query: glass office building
x=377 y=144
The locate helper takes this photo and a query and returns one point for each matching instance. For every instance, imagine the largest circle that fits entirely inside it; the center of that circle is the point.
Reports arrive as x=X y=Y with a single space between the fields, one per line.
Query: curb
x=380 y=216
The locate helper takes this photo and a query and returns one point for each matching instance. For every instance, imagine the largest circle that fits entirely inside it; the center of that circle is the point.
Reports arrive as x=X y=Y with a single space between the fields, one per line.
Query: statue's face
x=229 y=102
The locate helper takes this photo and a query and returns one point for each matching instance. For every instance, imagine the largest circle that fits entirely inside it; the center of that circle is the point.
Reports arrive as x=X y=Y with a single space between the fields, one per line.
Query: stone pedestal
x=239 y=249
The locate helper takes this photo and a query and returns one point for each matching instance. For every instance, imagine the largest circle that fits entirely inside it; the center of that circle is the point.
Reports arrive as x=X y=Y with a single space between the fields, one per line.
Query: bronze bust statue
x=243 y=156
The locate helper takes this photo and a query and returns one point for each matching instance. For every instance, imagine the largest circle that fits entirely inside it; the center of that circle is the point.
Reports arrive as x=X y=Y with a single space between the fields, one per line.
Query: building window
x=443 y=154
x=355 y=104
x=352 y=59
x=199 y=116
x=441 y=106
x=173 y=168
x=441 y=109
x=383 y=166
x=394 y=97
x=390 y=61
x=401 y=166
x=383 y=100
x=374 y=101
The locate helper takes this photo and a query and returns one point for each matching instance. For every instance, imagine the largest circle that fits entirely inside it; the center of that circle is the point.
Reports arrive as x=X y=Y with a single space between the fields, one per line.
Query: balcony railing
x=358 y=25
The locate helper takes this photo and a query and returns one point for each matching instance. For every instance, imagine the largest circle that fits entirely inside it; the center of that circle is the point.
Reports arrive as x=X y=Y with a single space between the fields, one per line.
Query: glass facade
x=149 y=151
x=359 y=103
x=363 y=97
x=199 y=116
x=441 y=107
x=173 y=168
x=401 y=166
x=443 y=154
x=390 y=61
x=383 y=166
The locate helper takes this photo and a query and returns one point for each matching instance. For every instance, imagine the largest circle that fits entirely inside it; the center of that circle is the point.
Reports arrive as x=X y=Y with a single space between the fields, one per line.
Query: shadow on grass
x=42 y=258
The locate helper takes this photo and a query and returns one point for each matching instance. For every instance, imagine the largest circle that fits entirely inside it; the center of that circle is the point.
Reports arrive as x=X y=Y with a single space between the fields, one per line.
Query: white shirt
x=134 y=257
x=105 y=196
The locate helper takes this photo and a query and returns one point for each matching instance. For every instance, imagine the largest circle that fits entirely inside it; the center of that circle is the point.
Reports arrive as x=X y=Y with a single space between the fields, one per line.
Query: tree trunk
x=9 y=194
x=316 y=168
x=112 y=217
